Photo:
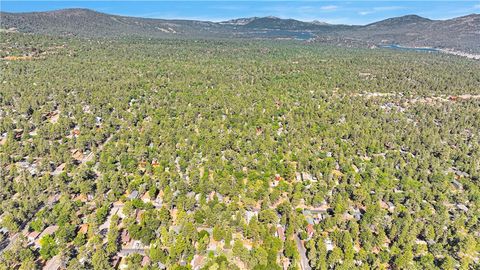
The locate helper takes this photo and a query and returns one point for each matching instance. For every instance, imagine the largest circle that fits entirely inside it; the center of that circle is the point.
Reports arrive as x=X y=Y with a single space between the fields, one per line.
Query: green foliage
x=48 y=247
x=206 y=127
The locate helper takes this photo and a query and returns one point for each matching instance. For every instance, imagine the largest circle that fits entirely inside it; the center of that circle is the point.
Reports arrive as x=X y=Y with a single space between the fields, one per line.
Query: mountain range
x=462 y=33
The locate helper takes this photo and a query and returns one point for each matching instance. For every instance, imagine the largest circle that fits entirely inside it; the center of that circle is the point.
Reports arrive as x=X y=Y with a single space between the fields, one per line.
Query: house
x=462 y=207
x=53 y=199
x=457 y=184
x=298 y=177
x=125 y=237
x=133 y=195
x=328 y=244
x=212 y=246
x=310 y=220
x=116 y=262
x=197 y=262
x=276 y=181
x=280 y=233
x=161 y=266
x=145 y=261
x=357 y=214
x=123 y=263
x=53 y=116
x=98 y=121
x=138 y=217
x=32 y=236
x=391 y=206
x=54 y=263
x=77 y=154
x=3 y=138
x=307 y=176
x=83 y=229
x=220 y=197
x=176 y=228
x=81 y=197
x=118 y=204
x=146 y=197
x=59 y=169
x=76 y=131
x=285 y=263
x=310 y=230
x=31 y=168
x=155 y=163
x=48 y=231
x=458 y=173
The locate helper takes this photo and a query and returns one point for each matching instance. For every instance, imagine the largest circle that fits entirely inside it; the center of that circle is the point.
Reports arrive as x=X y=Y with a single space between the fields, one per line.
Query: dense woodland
x=225 y=151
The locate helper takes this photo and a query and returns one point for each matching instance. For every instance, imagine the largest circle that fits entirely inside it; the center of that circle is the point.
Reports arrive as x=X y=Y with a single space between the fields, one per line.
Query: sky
x=335 y=12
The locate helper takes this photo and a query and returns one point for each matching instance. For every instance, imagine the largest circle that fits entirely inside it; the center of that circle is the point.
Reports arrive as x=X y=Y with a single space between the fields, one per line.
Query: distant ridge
x=399 y=21
x=462 y=33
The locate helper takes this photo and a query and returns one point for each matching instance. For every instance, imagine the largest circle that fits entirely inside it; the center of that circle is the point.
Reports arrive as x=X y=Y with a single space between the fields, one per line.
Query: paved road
x=8 y=243
x=302 y=251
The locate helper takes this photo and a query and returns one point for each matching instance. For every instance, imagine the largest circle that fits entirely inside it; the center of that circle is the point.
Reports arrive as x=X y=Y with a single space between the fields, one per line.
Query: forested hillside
x=459 y=34
x=190 y=154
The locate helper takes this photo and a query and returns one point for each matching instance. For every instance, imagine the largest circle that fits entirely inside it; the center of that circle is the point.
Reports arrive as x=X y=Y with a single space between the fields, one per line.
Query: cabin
x=197 y=262
x=328 y=244
x=3 y=138
x=124 y=237
x=54 y=263
x=83 y=229
x=462 y=207
x=32 y=236
x=145 y=261
x=53 y=116
x=310 y=231
x=29 y=167
x=133 y=195
x=47 y=231
x=145 y=197
x=116 y=262
x=77 y=154
x=276 y=180
x=280 y=233
x=356 y=213
x=457 y=184
x=98 y=121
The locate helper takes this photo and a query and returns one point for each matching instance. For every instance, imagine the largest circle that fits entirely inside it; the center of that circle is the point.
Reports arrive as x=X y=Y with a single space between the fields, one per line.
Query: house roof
x=145 y=261
x=310 y=229
x=133 y=195
x=197 y=262
x=53 y=264
x=49 y=230
x=83 y=228
x=33 y=235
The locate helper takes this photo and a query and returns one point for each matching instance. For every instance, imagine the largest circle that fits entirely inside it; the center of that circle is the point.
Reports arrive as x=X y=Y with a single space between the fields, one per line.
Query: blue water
x=398 y=47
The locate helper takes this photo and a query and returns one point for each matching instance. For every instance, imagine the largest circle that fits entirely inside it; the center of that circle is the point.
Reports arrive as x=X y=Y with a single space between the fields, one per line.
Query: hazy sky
x=346 y=12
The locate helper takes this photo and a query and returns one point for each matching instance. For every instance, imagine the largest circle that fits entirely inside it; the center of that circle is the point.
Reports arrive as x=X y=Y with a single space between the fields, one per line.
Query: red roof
x=125 y=236
x=310 y=229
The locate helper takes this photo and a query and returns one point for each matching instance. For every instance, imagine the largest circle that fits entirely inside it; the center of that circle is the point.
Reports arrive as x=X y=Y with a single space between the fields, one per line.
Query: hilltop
x=411 y=30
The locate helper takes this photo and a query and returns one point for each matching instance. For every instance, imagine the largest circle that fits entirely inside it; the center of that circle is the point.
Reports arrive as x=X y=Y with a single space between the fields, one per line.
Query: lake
x=398 y=47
